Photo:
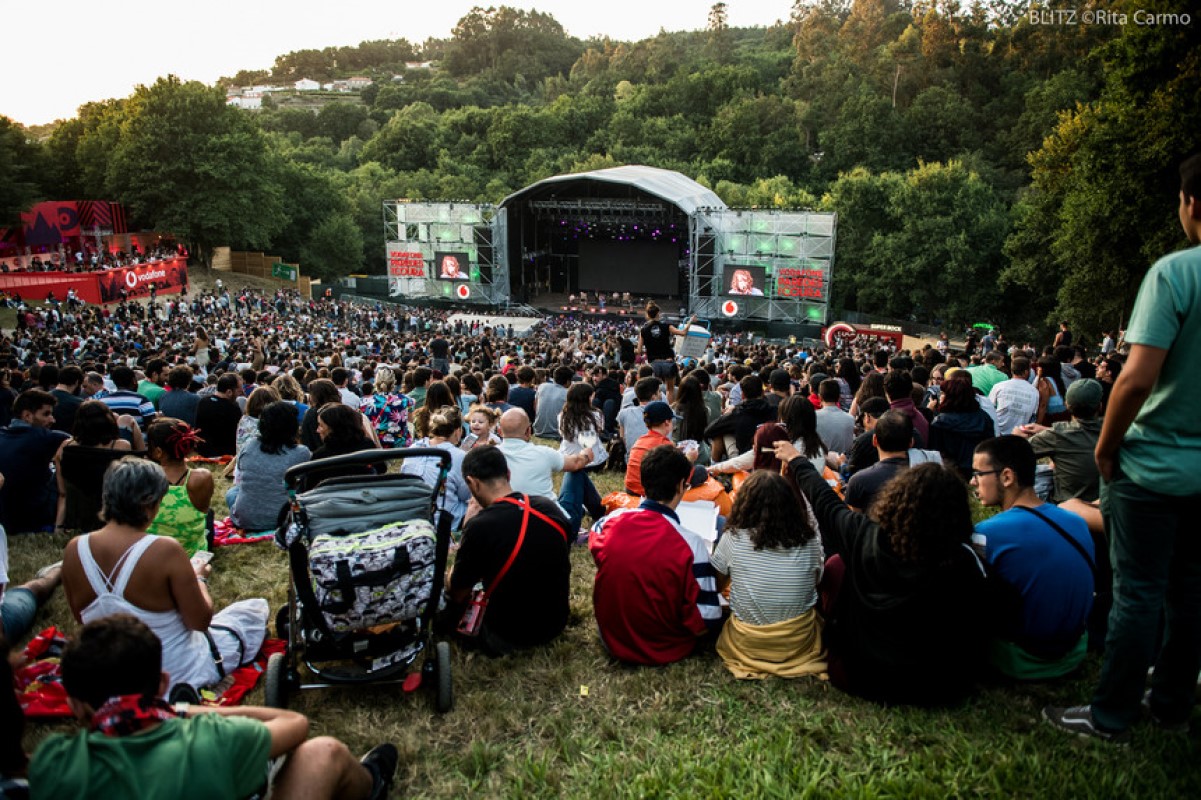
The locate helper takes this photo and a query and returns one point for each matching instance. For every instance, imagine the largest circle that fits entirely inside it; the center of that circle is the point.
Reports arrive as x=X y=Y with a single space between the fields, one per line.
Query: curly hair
x=924 y=512
x=767 y=509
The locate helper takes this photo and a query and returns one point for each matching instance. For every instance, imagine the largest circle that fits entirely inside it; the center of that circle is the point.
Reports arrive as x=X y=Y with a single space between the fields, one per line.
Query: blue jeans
x=578 y=495
x=1156 y=553
x=17 y=610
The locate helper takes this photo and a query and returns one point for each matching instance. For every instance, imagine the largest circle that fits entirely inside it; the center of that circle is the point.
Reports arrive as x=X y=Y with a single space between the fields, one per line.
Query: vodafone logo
x=729 y=308
x=131 y=280
x=463 y=291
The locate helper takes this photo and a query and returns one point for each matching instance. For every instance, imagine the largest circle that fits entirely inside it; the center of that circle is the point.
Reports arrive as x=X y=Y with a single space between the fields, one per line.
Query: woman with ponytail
x=182 y=514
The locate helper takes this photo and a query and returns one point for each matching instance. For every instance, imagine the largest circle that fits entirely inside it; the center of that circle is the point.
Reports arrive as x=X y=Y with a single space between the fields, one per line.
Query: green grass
x=522 y=726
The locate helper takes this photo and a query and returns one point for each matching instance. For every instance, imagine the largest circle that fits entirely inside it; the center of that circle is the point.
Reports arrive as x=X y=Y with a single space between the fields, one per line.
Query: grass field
x=566 y=721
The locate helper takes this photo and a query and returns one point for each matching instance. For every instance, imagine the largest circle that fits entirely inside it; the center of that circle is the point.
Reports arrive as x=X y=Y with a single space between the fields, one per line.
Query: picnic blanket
x=41 y=694
x=225 y=533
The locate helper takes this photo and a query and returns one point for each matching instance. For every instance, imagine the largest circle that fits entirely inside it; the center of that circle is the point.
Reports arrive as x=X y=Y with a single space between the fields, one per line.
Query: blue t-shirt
x=523 y=398
x=1054 y=581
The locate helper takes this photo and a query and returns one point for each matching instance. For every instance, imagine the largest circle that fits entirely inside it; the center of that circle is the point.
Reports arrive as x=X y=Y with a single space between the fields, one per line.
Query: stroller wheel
x=276 y=683
x=445 y=699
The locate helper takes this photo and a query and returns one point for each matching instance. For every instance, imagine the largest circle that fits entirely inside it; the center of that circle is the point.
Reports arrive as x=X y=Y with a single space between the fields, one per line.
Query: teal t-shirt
x=1162 y=449
x=203 y=756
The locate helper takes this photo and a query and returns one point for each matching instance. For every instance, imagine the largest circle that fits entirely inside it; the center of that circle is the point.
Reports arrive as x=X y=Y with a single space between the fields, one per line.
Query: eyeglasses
x=978 y=473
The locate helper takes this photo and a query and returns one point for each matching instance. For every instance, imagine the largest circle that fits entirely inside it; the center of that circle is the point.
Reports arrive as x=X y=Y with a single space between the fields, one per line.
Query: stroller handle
x=294 y=474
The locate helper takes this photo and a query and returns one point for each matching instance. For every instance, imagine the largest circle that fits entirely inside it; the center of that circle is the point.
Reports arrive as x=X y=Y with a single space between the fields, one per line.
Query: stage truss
x=418 y=230
x=788 y=244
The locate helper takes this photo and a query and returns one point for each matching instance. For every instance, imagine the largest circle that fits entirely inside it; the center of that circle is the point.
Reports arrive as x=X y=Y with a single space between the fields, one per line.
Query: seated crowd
x=837 y=537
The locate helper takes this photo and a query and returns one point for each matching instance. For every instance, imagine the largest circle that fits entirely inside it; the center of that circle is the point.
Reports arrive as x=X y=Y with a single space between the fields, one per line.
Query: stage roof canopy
x=685 y=193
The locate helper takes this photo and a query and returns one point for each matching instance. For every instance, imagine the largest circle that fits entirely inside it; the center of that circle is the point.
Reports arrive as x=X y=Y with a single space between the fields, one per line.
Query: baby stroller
x=367 y=555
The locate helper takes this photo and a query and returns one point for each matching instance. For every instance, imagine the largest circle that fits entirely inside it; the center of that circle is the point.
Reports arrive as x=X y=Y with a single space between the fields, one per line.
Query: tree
x=406 y=141
x=20 y=162
x=333 y=249
x=719 y=41
x=188 y=163
x=930 y=243
x=1100 y=208
x=509 y=42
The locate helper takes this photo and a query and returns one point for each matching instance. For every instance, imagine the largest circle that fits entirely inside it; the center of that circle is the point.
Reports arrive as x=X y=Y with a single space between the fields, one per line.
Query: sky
x=70 y=52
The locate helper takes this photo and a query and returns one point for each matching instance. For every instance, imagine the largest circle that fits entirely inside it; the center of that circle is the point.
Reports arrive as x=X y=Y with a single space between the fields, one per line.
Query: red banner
x=405 y=263
x=805 y=283
x=108 y=286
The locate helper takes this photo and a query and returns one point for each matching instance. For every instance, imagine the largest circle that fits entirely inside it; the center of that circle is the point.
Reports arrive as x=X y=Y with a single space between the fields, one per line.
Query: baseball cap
x=658 y=412
x=1084 y=393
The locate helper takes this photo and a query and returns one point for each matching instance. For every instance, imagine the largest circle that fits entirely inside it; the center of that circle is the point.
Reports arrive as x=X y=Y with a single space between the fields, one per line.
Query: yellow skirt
x=788 y=649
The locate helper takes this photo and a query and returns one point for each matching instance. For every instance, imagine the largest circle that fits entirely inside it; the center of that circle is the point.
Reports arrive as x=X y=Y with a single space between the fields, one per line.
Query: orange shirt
x=646 y=442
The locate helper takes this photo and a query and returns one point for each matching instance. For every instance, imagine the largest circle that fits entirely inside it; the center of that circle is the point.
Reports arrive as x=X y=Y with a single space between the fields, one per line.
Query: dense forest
x=986 y=162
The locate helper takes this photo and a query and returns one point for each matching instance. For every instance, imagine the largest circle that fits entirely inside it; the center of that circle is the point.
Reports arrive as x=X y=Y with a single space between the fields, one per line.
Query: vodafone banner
x=109 y=286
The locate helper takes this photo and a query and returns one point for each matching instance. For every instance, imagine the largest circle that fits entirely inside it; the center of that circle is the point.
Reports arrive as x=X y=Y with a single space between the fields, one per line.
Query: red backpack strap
x=525 y=523
x=526 y=504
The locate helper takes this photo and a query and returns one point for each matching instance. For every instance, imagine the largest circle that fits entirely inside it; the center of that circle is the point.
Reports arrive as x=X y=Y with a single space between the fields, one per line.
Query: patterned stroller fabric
x=377 y=577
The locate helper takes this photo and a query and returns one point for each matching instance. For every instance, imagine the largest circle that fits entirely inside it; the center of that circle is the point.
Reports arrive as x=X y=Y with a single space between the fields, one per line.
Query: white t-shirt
x=532 y=467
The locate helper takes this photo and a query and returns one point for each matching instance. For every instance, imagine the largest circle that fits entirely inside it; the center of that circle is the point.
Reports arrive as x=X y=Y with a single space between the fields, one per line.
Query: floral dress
x=389 y=415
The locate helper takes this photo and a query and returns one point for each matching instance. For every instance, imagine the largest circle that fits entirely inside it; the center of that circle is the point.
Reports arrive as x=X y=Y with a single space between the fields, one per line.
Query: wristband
x=203 y=580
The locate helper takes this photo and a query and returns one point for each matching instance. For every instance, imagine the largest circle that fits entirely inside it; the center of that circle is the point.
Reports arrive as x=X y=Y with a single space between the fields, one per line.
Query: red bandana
x=130 y=713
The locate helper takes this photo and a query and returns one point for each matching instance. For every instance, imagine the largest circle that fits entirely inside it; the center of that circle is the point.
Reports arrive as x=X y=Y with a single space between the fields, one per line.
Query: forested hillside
x=985 y=163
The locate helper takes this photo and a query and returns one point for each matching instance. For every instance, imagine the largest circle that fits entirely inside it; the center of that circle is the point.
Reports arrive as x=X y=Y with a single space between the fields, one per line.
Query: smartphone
x=201 y=558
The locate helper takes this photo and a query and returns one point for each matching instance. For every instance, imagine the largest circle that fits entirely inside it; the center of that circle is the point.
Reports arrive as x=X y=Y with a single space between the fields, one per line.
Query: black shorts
x=665 y=370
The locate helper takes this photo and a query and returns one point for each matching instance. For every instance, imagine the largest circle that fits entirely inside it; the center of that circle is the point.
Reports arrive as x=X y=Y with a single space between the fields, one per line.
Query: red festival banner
x=804 y=283
x=108 y=286
x=404 y=263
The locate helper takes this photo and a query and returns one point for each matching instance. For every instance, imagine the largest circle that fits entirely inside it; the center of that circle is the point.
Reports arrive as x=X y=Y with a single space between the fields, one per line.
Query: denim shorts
x=17 y=611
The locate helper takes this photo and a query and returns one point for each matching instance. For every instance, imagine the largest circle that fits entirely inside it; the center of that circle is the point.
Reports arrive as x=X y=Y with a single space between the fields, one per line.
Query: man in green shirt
x=156 y=375
x=1149 y=457
x=138 y=746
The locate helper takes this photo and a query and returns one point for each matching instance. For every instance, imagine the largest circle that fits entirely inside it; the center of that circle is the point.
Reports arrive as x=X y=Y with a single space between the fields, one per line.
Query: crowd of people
x=833 y=487
x=90 y=259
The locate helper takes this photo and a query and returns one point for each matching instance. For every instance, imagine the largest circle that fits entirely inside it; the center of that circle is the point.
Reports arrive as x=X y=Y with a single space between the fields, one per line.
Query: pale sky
x=69 y=52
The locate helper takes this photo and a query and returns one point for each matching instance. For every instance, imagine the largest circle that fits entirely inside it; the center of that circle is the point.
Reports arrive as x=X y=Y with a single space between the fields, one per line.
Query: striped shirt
x=768 y=586
x=124 y=401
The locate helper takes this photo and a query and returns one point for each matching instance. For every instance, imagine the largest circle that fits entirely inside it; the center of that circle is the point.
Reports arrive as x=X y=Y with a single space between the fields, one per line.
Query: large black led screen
x=634 y=267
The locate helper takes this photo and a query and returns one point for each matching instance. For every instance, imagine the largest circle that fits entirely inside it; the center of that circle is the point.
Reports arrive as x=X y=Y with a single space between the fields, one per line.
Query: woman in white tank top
x=120 y=569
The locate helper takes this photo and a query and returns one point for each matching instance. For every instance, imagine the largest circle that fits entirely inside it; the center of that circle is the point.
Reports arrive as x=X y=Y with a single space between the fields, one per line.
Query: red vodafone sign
x=463 y=291
x=729 y=308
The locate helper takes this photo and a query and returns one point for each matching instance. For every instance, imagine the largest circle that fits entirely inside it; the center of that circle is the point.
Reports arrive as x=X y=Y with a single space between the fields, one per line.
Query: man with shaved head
x=532 y=465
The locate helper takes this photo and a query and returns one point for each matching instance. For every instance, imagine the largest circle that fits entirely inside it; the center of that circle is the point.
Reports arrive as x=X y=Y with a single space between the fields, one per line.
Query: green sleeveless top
x=179 y=519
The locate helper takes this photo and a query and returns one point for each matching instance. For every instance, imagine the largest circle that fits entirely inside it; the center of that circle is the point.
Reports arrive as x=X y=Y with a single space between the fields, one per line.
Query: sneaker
x=183 y=693
x=381 y=762
x=1166 y=727
x=1079 y=720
